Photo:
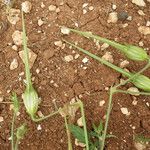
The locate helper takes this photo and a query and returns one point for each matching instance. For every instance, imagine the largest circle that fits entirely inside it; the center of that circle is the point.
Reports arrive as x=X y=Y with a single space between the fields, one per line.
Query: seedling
x=141 y=139
x=95 y=135
x=21 y=130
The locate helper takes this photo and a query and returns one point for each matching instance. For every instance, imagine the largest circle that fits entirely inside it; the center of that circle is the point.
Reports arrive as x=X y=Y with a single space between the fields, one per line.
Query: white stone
x=148 y=23
x=52 y=8
x=57 y=10
x=1 y=119
x=14 y=47
x=108 y=57
x=1 y=98
x=114 y=7
x=58 y=43
x=32 y=57
x=84 y=11
x=141 y=13
x=42 y=5
x=125 y=111
x=134 y=102
x=129 y=18
x=80 y=122
x=125 y=25
x=40 y=22
x=39 y=127
x=65 y=30
x=134 y=89
x=124 y=64
x=104 y=46
x=76 y=56
x=85 y=60
x=139 y=3
x=144 y=30
x=17 y=37
x=139 y=146
x=68 y=58
x=77 y=143
x=14 y=64
x=91 y=8
x=112 y=18
x=101 y=103
x=85 y=5
x=141 y=43
x=13 y=16
x=37 y=70
x=26 y=6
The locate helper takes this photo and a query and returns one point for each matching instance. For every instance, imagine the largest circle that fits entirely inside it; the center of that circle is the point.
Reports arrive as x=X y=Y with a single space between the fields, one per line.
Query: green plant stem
x=112 y=90
x=127 y=74
x=16 y=144
x=45 y=117
x=68 y=134
x=26 y=55
x=84 y=124
x=135 y=75
x=133 y=93
x=12 y=131
x=104 y=40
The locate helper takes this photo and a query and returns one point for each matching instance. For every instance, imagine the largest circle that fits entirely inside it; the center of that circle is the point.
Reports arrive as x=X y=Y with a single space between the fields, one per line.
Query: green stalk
x=128 y=92
x=112 y=90
x=127 y=74
x=104 y=40
x=16 y=144
x=84 y=125
x=12 y=131
x=26 y=55
x=68 y=134
x=45 y=117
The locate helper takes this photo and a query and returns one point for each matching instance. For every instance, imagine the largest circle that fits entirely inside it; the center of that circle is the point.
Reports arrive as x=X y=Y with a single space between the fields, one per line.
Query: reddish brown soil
x=72 y=80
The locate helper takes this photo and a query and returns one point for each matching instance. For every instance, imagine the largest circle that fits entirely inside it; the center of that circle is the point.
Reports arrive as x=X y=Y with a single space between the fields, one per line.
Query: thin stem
x=68 y=134
x=135 y=75
x=12 y=131
x=104 y=40
x=107 y=117
x=84 y=125
x=101 y=60
x=128 y=92
x=16 y=144
x=26 y=55
x=45 y=117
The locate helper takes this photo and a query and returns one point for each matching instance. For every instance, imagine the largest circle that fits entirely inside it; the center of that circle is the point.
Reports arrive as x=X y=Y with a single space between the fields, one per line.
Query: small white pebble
x=40 y=22
x=1 y=98
x=1 y=119
x=125 y=111
x=58 y=43
x=76 y=56
x=68 y=58
x=114 y=7
x=124 y=64
x=147 y=103
x=85 y=60
x=84 y=11
x=80 y=122
x=108 y=57
x=141 y=13
x=141 y=43
x=91 y=8
x=77 y=143
x=104 y=46
x=65 y=30
x=52 y=8
x=139 y=3
x=139 y=146
x=129 y=18
x=144 y=30
x=26 y=6
x=133 y=89
x=57 y=10
x=17 y=37
x=14 y=64
x=134 y=102
x=42 y=5
x=85 y=5
x=125 y=25
x=148 y=23
x=37 y=70
x=112 y=18
x=39 y=127
x=14 y=47
x=101 y=103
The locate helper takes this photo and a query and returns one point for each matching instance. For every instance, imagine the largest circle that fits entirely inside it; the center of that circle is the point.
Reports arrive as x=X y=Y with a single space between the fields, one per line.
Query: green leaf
x=95 y=128
x=15 y=102
x=21 y=131
x=100 y=127
x=141 y=138
x=77 y=132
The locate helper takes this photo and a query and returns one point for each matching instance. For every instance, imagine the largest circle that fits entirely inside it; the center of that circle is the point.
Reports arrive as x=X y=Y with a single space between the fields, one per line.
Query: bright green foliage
x=15 y=102
x=21 y=132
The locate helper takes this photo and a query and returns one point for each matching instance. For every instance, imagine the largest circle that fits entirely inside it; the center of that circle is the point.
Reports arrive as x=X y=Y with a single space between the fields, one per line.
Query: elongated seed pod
x=31 y=101
x=135 y=53
x=142 y=82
